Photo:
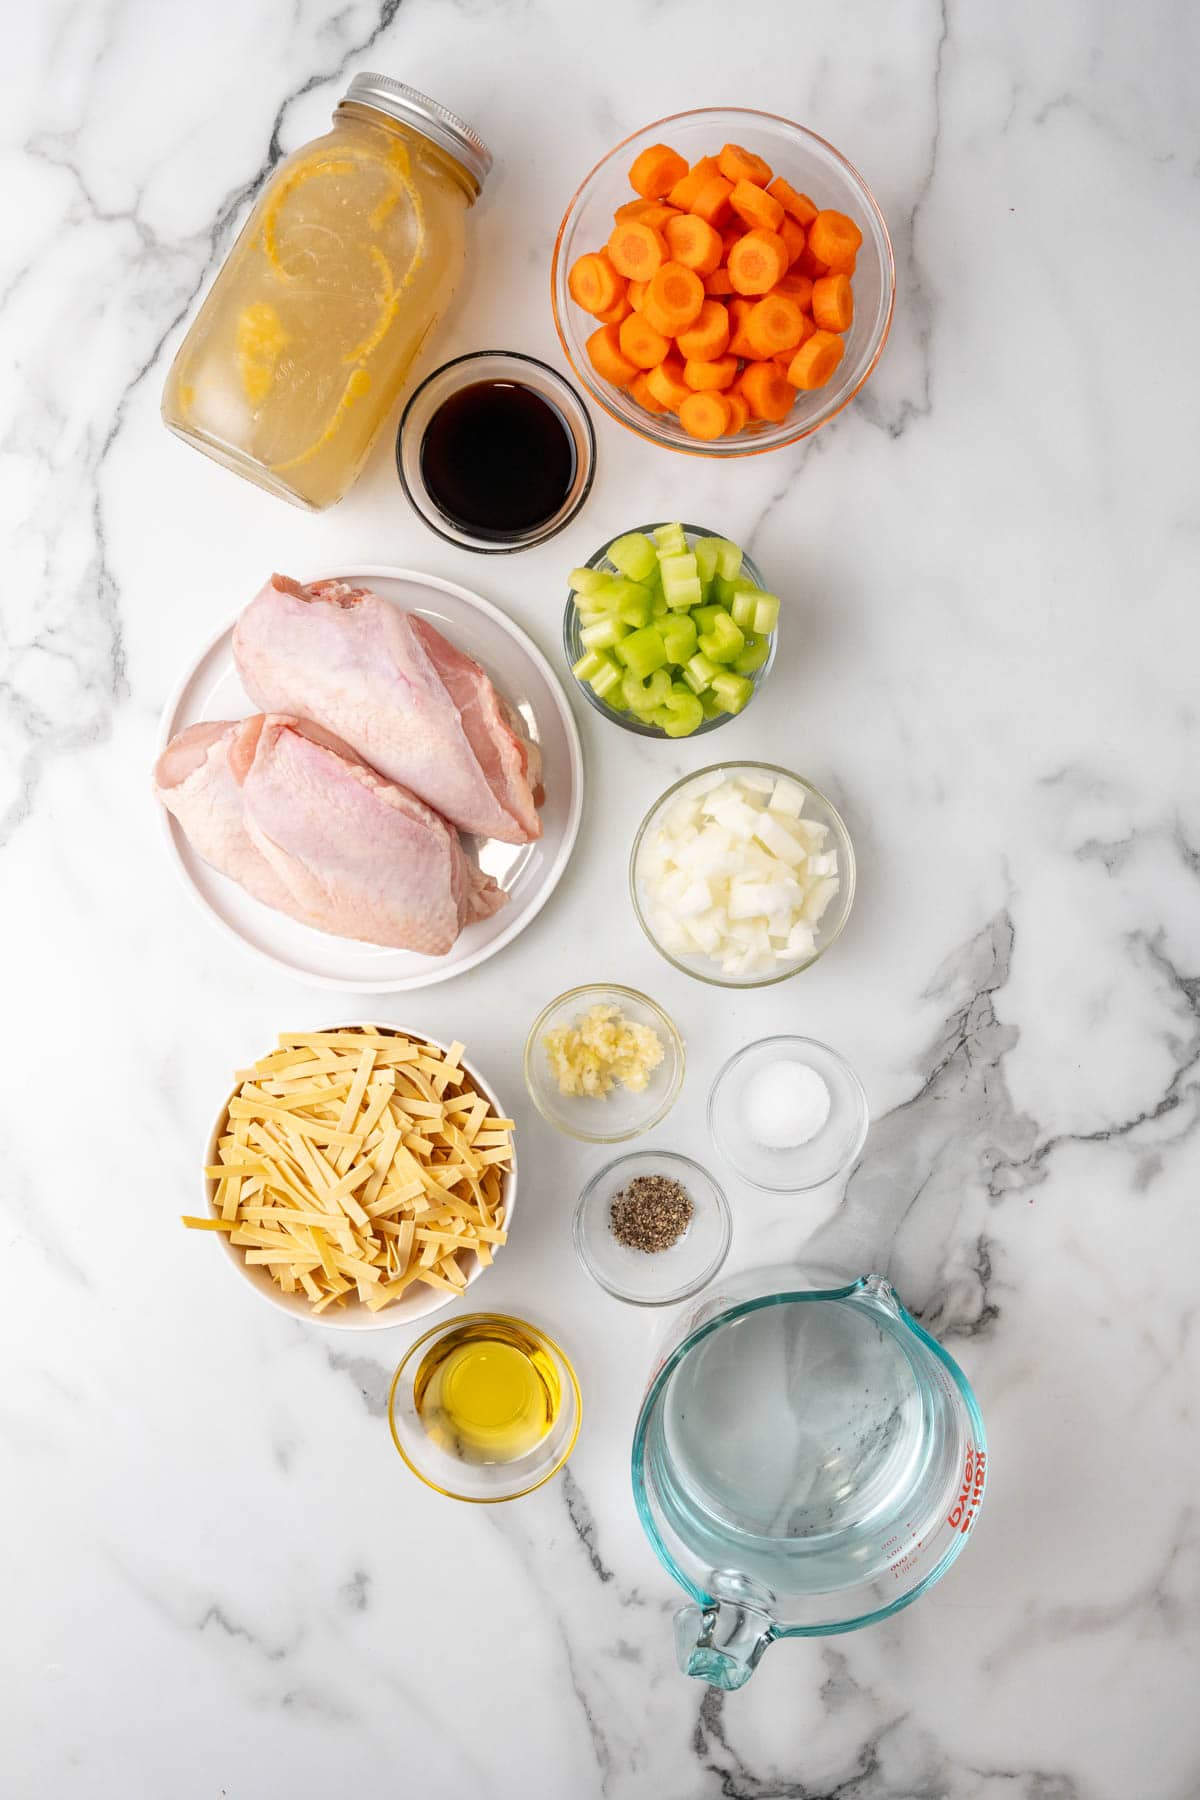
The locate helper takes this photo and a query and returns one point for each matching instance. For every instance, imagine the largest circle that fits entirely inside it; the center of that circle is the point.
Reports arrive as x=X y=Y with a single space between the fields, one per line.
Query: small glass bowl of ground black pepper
x=652 y=1228
x=496 y=452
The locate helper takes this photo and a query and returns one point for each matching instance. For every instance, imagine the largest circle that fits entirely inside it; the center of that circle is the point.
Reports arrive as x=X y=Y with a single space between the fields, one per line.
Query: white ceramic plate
x=528 y=873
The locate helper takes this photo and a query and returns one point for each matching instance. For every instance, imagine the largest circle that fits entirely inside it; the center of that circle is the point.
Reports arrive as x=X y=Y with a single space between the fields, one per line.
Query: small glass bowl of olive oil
x=484 y=1407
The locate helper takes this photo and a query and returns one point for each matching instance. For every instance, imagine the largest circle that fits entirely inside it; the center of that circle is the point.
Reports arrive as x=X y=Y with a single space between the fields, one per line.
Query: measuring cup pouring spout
x=799 y=1463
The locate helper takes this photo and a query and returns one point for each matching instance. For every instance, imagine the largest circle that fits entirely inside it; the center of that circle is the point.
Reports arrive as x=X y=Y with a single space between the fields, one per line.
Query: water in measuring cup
x=800 y=1444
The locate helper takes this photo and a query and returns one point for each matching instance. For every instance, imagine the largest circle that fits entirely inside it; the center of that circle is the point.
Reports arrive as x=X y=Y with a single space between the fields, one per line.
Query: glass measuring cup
x=807 y=1460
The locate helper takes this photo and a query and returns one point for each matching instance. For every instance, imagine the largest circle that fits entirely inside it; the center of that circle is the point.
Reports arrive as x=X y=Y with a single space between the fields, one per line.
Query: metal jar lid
x=432 y=120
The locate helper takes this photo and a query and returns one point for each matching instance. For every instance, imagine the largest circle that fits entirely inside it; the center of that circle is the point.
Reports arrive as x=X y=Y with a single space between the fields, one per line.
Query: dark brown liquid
x=498 y=459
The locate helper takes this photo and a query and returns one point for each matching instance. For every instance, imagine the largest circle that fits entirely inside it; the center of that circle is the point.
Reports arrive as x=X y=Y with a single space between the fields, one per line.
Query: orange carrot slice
x=833 y=303
x=693 y=242
x=639 y=387
x=640 y=343
x=711 y=202
x=636 y=249
x=754 y=207
x=809 y=263
x=797 y=206
x=737 y=164
x=815 y=361
x=835 y=239
x=685 y=191
x=705 y=415
x=619 y=310
x=793 y=236
x=718 y=372
x=650 y=212
x=666 y=383
x=608 y=359
x=767 y=391
x=718 y=282
x=773 y=325
x=739 y=412
x=797 y=287
x=593 y=283
x=756 y=262
x=708 y=335
x=739 y=344
x=637 y=293
x=673 y=299
x=656 y=170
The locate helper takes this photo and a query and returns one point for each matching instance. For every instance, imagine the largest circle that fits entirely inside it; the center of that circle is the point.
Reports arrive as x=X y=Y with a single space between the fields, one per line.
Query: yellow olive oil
x=487 y=1392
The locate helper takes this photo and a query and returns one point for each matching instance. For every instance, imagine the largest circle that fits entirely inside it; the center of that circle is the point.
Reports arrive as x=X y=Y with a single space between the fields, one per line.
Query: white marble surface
x=219 y=1580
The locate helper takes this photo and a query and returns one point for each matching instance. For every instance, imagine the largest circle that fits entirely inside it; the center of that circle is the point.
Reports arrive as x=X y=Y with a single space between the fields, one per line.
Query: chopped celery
x=670 y=540
x=589 y=664
x=606 y=679
x=586 y=581
x=706 y=550
x=678 y=633
x=614 y=593
x=734 y=691
x=644 y=696
x=712 y=705
x=729 y=559
x=724 y=641
x=633 y=554
x=703 y=670
x=707 y=616
x=742 y=608
x=642 y=651
x=658 y=603
x=602 y=635
x=752 y=658
x=637 y=610
x=724 y=588
x=680 y=582
x=684 y=712
x=696 y=683
x=766 y=613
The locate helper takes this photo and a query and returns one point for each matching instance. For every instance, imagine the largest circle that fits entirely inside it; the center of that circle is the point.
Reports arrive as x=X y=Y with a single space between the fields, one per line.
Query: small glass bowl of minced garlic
x=603 y=1063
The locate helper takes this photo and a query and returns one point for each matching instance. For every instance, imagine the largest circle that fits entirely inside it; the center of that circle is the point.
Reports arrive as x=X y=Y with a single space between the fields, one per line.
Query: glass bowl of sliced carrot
x=723 y=282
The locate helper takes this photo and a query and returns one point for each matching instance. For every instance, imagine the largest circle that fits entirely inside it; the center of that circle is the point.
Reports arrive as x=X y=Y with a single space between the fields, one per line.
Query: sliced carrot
x=708 y=334
x=737 y=164
x=835 y=239
x=639 y=341
x=608 y=359
x=636 y=249
x=685 y=191
x=775 y=324
x=767 y=392
x=816 y=360
x=656 y=170
x=756 y=262
x=718 y=282
x=739 y=412
x=833 y=303
x=755 y=207
x=693 y=242
x=619 y=310
x=593 y=283
x=666 y=383
x=739 y=345
x=717 y=372
x=673 y=299
x=797 y=287
x=712 y=200
x=705 y=415
x=807 y=329
x=793 y=236
x=797 y=206
x=639 y=387
x=650 y=212
x=808 y=263
x=637 y=293
x=730 y=235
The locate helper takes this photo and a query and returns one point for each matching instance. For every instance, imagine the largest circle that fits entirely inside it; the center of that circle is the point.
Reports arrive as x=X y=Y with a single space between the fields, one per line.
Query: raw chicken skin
x=303 y=825
x=391 y=686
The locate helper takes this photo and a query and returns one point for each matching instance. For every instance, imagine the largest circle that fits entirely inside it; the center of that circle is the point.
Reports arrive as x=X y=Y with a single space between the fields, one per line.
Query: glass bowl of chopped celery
x=669 y=630
x=603 y=1063
x=742 y=874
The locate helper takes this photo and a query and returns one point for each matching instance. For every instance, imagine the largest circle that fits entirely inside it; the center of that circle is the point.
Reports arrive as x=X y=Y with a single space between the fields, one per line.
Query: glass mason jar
x=347 y=261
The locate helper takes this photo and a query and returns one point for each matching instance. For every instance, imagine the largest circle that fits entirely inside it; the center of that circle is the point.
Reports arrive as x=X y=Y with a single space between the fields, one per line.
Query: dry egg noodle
x=355 y=1163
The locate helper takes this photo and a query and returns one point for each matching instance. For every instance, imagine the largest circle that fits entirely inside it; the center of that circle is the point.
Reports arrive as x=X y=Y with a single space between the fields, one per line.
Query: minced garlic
x=603 y=1048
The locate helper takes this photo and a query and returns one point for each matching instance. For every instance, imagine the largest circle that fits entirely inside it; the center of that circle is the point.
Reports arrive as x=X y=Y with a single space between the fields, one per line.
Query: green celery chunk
x=680 y=582
x=684 y=712
x=706 y=550
x=678 y=632
x=729 y=559
x=605 y=680
x=614 y=593
x=766 y=613
x=734 y=691
x=752 y=658
x=633 y=554
x=724 y=588
x=642 y=651
x=637 y=610
x=586 y=581
x=742 y=608
x=589 y=664
x=701 y=670
x=670 y=540
x=695 y=682
x=603 y=634
x=724 y=641
x=658 y=604
x=642 y=697
x=706 y=616
x=712 y=705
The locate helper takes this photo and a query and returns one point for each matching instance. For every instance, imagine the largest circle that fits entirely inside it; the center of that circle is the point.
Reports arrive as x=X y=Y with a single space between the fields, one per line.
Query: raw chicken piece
x=392 y=687
x=302 y=824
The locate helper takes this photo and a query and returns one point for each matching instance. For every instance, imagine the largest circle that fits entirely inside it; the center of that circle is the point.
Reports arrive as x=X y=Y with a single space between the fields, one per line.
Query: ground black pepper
x=651 y=1214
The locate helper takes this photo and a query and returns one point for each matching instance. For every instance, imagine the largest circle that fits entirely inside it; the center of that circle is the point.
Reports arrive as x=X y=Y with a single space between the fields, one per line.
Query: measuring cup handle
x=721 y=1644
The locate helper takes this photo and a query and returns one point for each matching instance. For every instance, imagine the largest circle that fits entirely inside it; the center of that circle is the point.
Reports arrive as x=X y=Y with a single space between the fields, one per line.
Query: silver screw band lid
x=429 y=117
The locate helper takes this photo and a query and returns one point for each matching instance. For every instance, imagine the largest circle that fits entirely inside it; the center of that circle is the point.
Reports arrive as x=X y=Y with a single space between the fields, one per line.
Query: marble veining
x=221 y=1583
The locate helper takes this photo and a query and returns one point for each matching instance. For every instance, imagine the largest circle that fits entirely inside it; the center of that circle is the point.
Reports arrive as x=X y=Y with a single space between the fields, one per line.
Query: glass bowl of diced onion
x=578 y=620
x=742 y=874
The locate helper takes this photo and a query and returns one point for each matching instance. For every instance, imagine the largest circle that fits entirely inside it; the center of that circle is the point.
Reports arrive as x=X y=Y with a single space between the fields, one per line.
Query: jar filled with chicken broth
x=344 y=266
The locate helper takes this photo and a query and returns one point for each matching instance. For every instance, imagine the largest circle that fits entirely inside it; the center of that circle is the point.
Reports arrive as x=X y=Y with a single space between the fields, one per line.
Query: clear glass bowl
x=620 y=1114
x=573 y=645
x=819 y=808
x=659 y=1277
x=834 y=1148
x=523 y=371
x=482 y=1483
x=811 y=165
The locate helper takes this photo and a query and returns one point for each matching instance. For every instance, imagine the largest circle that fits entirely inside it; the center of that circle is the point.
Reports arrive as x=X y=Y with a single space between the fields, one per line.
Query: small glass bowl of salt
x=788 y=1113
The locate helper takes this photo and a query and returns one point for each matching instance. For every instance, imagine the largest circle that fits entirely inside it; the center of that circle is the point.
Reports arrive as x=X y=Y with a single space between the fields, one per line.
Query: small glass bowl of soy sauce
x=496 y=452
